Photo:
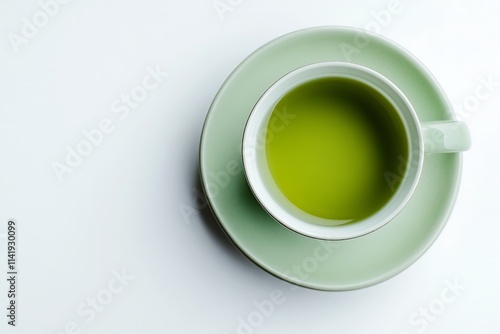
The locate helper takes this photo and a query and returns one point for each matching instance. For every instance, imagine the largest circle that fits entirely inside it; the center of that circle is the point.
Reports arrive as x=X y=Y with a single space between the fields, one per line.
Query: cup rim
x=331 y=232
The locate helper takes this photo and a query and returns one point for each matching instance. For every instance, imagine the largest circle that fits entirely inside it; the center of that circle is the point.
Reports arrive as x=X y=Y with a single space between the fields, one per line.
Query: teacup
x=335 y=150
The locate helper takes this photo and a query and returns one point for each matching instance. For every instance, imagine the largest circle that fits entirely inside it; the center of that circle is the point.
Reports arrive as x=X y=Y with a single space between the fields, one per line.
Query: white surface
x=119 y=208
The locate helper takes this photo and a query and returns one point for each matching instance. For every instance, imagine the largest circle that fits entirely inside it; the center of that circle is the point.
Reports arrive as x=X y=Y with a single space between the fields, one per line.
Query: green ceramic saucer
x=343 y=265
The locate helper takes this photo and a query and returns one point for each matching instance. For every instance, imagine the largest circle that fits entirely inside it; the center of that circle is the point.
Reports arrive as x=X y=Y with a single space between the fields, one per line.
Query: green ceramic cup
x=421 y=140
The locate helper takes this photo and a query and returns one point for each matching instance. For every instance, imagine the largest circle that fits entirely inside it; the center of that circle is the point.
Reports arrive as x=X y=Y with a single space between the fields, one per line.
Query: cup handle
x=445 y=137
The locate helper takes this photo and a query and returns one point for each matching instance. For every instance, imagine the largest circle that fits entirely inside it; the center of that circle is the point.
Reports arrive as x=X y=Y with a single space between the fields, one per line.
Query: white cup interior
x=270 y=196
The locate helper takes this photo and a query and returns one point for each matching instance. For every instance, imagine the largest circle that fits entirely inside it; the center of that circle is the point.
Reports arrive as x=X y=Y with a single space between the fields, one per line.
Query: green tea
x=329 y=145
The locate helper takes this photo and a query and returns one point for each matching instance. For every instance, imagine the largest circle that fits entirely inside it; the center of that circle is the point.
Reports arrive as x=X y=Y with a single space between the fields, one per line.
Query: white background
x=118 y=209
